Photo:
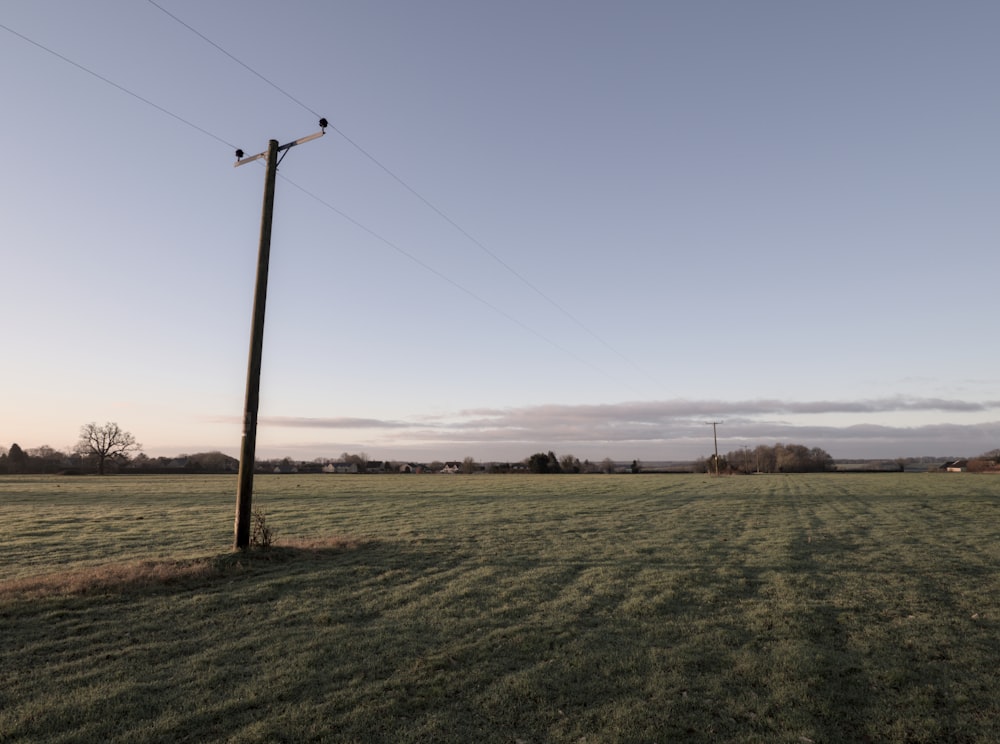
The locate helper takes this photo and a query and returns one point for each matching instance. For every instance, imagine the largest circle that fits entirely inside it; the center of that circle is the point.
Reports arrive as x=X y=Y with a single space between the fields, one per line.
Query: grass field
x=836 y=608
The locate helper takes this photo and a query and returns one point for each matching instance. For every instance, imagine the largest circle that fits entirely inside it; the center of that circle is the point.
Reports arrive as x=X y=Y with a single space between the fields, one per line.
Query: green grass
x=834 y=608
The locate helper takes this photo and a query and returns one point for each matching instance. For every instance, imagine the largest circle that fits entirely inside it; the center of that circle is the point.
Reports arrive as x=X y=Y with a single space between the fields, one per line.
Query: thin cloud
x=659 y=410
x=688 y=441
x=305 y=422
x=308 y=422
x=621 y=419
x=674 y=429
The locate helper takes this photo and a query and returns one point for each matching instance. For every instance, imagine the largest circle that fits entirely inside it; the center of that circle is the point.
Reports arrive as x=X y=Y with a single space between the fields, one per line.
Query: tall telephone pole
x=715 y=438
x=248 y=444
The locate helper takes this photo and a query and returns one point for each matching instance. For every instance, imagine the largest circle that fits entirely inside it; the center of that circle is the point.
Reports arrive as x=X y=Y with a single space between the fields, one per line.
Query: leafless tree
x=105 y=443
x=569 y=464
x=360 y=459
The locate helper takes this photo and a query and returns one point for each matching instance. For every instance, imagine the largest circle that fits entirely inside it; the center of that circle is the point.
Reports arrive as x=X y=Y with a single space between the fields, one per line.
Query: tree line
x=548 y=462
x=109 y=448
x=781 y=458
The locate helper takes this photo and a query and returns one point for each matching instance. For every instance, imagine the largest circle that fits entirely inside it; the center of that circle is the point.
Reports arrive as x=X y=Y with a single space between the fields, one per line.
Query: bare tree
x=360 y=459
x=105 y=443
x=569 y=464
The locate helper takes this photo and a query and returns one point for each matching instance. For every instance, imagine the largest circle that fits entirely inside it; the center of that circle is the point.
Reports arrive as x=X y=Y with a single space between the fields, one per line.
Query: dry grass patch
x=152 y=575
x=122 y=577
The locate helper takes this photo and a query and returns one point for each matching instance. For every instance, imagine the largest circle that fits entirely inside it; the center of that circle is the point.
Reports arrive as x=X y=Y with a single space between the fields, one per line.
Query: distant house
x=956 y=466
x=375 y=466
x=340 y=467
x=452 y=467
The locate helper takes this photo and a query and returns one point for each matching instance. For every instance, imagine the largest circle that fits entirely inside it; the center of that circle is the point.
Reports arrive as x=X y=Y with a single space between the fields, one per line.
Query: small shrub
x=261 y=533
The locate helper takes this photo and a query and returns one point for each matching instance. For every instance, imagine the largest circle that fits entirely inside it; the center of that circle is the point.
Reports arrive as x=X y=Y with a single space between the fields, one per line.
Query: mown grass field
x=836 y=608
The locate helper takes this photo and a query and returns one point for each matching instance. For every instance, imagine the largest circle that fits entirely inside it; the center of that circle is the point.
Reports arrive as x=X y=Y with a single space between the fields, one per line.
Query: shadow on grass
x=832 y=672
x=454 y=639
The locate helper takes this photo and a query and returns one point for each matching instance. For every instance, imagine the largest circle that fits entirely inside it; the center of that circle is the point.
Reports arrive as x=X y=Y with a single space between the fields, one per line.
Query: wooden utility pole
x=248 y=444
x=715 y=438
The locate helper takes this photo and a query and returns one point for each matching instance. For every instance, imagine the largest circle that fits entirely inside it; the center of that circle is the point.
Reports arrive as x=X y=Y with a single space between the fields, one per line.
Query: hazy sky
x=589 y=227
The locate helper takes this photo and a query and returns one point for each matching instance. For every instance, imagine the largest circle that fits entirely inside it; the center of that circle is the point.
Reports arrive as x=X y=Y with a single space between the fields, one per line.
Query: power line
x=451 y=281
x=113 y=84
x=343 y=214
x=511 y=270
x=242 y=64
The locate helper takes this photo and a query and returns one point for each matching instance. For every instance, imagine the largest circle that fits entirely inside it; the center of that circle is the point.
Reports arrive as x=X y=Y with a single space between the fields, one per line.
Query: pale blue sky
x=779 y=215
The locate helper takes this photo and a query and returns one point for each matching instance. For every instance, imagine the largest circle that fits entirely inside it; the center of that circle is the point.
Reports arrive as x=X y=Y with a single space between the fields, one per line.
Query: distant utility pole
x=716 y=439
x=248 y=446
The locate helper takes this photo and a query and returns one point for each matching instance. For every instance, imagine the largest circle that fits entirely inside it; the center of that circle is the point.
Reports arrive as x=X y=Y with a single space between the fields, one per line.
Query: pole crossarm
x=240 y=160
x=243 y=161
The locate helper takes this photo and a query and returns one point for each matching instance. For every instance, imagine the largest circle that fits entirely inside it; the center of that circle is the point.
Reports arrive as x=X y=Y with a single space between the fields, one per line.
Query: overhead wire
x=388 y=171
x=113 y=84
x=444 y=277
x=238 y=61
x=324 y=203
